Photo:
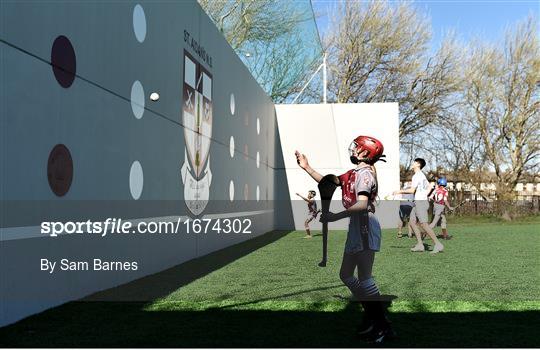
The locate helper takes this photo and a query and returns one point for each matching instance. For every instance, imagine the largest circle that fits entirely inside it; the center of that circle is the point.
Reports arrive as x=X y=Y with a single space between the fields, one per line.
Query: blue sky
x=486 y=20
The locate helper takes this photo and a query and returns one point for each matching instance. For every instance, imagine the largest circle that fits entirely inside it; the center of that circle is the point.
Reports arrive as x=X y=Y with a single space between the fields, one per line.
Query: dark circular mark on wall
x=64 y=62
x=60 y=170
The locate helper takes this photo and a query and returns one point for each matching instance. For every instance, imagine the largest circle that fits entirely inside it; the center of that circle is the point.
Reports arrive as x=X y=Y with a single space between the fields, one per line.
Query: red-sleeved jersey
x=312 y=207
x=440 y=195
x=356 y=181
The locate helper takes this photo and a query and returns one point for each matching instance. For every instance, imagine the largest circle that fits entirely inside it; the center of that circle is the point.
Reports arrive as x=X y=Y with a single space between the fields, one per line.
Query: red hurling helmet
x=370 y=144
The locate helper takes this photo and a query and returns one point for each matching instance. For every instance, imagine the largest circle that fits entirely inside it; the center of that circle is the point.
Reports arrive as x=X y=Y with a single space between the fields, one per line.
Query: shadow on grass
x=128 y=324
x=116 y=324
x=286 y=295
x=165 y=282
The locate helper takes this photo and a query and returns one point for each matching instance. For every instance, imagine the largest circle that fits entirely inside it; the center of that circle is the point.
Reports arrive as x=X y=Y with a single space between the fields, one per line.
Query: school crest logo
x=197 y=121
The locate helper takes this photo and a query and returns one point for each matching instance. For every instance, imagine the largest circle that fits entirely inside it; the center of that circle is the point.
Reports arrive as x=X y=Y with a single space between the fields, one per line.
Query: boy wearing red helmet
x=359 y=191
x=440 y=202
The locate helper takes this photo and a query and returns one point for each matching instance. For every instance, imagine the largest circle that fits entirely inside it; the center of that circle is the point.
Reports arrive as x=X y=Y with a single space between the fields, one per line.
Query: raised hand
x=301 y=159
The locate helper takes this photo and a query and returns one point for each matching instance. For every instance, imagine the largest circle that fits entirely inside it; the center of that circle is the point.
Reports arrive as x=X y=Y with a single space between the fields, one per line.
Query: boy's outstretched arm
x=302 y=161
x=410 y=190
x=304 y=198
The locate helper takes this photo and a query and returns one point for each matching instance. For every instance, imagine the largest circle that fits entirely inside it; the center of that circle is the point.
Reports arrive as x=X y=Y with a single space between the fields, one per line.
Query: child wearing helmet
x=440 y=202
x=359 y=191
x=312 y=210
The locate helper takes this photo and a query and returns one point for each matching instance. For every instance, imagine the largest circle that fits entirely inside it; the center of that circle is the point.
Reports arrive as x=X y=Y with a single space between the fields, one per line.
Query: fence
x=472 y=203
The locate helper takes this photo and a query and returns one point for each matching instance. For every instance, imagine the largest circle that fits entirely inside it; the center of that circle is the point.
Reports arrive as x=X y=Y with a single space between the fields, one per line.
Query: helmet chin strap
x=356 y=160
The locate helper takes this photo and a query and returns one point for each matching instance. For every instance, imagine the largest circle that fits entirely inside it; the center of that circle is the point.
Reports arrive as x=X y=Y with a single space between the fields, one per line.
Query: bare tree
x=502 y=95
x=276 y=39
x=378 y=52
x=430 y=94
x=459 y=152
x=279 y=68
x=371 y=46
x=248 y=21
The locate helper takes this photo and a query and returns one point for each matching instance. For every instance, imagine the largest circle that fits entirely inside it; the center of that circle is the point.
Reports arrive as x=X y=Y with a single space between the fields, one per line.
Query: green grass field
x=483 y=291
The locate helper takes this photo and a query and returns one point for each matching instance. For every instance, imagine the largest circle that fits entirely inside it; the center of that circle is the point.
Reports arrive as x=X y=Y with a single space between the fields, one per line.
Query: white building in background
x=524 y=191
x=323 y=132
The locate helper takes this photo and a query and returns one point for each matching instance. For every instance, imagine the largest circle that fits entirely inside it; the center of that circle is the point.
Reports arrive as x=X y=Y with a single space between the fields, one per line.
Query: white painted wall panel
x=323 y=132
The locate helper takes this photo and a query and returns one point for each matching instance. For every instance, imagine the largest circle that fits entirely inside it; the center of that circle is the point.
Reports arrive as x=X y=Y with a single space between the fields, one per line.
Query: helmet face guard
x=352 y=152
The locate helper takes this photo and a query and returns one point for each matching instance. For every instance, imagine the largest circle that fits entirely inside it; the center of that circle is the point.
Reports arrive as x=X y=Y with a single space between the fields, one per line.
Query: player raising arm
x=302 y=161
x=312 y=210
x=420 y=189
x=359 y=191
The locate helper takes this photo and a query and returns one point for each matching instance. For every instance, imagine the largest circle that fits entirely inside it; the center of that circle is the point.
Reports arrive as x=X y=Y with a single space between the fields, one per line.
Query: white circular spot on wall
x=139 y=23
x=231 y=146
x=232 y=104
x=258 y=160
x=136 y=180
x=231 y=190
x=258 y=126
x=258 y=193
x=137 y=99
